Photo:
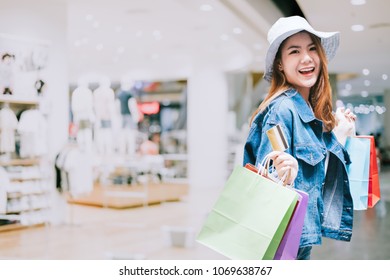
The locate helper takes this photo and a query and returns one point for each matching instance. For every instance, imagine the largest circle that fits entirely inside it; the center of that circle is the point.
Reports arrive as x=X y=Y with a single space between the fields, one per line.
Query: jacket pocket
x=310 y=154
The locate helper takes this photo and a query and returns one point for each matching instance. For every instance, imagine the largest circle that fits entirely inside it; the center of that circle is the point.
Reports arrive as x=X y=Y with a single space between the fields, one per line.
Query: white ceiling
x=164 y=39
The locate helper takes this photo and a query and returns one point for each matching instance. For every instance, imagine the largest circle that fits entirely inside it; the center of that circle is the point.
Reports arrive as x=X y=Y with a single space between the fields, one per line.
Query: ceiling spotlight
x=366 y=72
x=89 y=17
x=367 y=83
x=384 y=77
x=358 y=2
x=357 y=27
x=237 y=30
x=206 y=8
x=120 y=50
x=364 y=93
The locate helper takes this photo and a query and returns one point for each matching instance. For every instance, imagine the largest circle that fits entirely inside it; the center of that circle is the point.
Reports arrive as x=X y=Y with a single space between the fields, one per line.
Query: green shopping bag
x=249 y=218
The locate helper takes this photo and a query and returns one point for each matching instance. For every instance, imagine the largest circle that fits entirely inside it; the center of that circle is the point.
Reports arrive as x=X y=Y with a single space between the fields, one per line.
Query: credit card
x=277 y=138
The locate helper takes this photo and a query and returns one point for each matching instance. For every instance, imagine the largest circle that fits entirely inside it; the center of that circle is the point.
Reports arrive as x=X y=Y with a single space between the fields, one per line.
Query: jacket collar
x=303 y=109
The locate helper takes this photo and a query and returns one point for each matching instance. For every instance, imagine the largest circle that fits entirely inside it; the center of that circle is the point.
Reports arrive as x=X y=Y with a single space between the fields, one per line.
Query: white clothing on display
x=82 y=109
x=104 y=106
x=82 y=105
x=104 y=103
x=128 y=141
x=4 y=186
x=77 y=173
x=33 y=134
x=8 y=126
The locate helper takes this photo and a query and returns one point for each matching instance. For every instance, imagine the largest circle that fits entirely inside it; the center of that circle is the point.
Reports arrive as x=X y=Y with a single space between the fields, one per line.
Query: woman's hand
x=285 y=165
x=345 y=124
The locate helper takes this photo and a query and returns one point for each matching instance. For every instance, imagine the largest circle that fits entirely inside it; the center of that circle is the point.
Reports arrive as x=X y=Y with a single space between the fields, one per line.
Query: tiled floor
x=100 y=233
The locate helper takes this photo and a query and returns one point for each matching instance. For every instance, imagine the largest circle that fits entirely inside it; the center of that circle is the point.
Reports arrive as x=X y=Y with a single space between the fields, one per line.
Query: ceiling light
x=364 y=93
x=357 y=27
x=345 y=92
x=367 y=83
x=348 y=86
x=120 y=50
x=206 y=8
x=384 y=77
x=89 y=17
x=358 y=2
x=157 y=35
x=237 y=30
x=365 y=72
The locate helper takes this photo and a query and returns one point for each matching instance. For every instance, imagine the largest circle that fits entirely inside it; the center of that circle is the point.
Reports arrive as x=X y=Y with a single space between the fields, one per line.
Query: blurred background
x=124 y=118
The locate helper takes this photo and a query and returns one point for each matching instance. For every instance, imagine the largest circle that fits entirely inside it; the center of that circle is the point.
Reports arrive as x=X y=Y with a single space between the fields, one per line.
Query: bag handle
x=265 y=167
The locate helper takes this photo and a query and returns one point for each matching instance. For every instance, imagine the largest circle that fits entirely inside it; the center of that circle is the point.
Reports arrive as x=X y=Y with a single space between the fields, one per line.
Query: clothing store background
x=216 y=47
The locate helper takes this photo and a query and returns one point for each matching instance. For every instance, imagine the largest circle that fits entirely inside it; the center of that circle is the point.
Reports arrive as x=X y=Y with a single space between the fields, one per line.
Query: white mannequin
x=131 y=116
x=82 y=109
x=104 y=105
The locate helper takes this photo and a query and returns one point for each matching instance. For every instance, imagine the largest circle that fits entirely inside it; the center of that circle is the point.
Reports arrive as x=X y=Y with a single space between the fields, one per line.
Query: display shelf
x=18 y=226
x=129 y=196
x=28 y=189
x=20 y=162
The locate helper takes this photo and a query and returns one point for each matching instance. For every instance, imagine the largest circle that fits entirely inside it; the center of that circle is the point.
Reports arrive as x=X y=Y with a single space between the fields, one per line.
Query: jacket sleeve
x=257 y=145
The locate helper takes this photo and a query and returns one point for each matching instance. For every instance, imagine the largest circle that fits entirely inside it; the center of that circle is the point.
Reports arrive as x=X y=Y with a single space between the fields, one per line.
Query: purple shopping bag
x=288 y=247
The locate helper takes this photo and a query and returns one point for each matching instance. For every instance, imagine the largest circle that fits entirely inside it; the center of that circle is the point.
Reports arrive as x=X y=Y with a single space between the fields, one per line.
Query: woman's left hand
x=283 y=163
x=345 y=124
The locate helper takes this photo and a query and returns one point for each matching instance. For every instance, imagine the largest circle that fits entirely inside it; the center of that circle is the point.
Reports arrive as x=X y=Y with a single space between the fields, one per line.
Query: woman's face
x=300 y=62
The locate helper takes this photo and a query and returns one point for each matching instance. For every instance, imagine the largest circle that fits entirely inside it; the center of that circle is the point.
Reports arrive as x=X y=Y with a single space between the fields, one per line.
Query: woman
x=300 y=101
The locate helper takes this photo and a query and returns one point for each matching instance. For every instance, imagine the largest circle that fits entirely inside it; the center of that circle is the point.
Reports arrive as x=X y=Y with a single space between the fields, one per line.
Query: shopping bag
x=288 y=248
x=249 y=218
x=374 y=193
x=358 y=170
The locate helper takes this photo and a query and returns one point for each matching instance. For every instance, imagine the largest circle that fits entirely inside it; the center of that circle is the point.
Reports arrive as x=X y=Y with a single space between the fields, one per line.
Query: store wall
x=44 y=21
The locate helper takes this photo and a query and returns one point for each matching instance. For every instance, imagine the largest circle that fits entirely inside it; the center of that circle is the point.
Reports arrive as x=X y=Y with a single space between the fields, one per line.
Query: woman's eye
x=313 y=48
x=294 y=51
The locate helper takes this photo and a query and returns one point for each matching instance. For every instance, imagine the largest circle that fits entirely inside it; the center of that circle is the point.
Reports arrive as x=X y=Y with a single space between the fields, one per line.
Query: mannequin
x=83 y=116
x=7 y=73
x=104 y=105
x=131 y=116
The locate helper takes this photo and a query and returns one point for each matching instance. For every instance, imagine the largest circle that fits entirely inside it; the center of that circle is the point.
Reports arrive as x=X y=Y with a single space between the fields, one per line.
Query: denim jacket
x=330 y=209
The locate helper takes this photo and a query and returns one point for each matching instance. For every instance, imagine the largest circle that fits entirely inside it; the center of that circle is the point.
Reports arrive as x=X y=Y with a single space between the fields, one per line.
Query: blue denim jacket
x=330 y=209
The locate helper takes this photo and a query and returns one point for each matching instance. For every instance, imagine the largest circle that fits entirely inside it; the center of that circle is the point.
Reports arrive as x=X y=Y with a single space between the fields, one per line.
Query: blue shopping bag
x=358 y=170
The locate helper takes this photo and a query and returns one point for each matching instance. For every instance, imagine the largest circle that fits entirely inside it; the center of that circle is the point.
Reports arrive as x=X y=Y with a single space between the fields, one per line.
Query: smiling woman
x=300 y=101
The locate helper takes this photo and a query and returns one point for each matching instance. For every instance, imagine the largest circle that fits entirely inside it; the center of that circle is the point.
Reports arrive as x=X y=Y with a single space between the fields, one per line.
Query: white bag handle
x=267 y=170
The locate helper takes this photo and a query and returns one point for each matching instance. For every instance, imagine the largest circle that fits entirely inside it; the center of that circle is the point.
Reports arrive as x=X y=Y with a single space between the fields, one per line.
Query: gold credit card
x=277 y=138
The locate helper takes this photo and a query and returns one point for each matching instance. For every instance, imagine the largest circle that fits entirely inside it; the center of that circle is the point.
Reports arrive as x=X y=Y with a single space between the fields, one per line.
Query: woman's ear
x=280 y=67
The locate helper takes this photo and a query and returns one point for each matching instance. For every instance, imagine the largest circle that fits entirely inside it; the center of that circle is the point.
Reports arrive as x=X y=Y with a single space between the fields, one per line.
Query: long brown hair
x=320 y=97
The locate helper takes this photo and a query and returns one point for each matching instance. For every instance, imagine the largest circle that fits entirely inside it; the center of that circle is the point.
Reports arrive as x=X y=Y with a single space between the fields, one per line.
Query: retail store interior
x=121 y=121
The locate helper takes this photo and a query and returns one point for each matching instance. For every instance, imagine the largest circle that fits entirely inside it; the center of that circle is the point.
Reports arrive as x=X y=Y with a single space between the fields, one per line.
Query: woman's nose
x=306 y=57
